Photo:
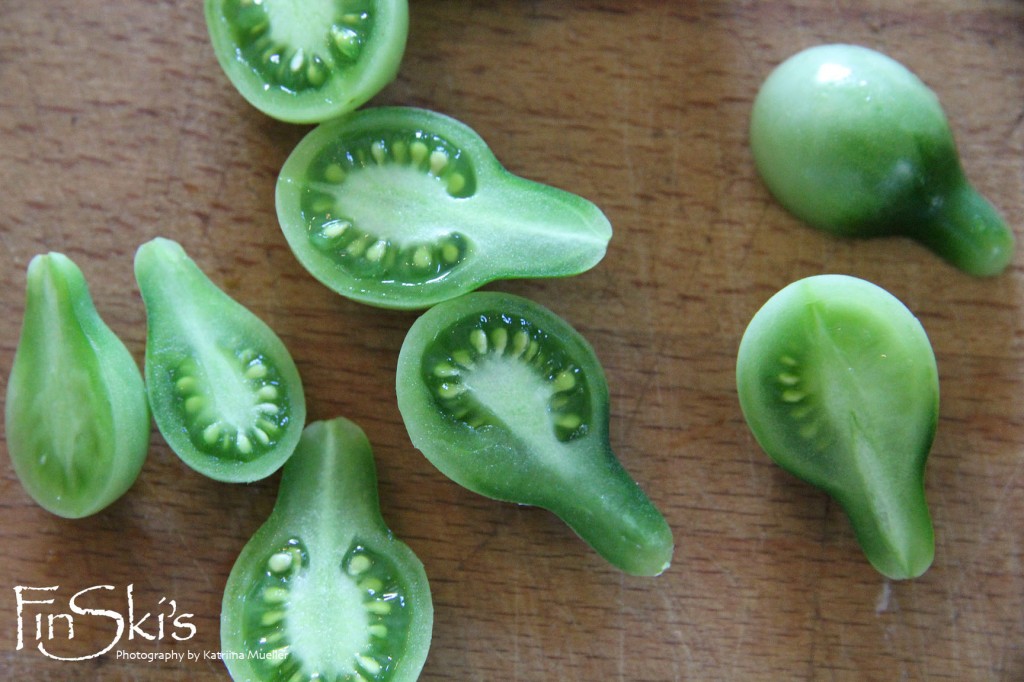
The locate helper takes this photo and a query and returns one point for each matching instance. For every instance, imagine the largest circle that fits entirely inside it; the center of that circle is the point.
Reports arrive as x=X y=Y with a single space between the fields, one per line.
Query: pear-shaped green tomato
x=307 y=61
x=324 y=590
x=403 y=208
x=838 y=383
x=77 y=420
x=853 y=143
x=223 y=388
x=509 y=401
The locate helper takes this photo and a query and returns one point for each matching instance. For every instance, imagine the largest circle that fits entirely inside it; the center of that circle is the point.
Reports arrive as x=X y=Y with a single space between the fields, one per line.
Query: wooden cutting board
x=117 y=125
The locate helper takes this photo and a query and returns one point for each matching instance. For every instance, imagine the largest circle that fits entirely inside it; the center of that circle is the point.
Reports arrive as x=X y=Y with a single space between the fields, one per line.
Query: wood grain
x=116 y=125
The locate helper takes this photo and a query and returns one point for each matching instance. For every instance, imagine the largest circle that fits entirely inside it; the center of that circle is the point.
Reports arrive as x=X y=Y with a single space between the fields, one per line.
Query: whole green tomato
x=853 y=143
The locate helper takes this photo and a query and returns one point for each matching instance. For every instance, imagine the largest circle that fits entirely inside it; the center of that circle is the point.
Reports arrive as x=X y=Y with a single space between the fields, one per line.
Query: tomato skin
x=534 y=427
x=342 y=84
x=76 y=415
x=223 y=388
x=358 y=208
x=327 y=505
x=852 y=142
x=839 y=385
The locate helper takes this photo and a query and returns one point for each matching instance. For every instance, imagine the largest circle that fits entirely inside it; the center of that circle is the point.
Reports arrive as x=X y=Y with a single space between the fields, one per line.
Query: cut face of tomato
x=838 y=382
x=509 y=401
x=323 y=590
x=403 y=208
x=305 y=61
x=223 y=388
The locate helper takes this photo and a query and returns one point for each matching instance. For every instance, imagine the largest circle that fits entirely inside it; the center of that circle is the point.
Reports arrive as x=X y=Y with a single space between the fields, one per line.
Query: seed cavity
x=367 y=256
x=469 y=344
x=362 y=253
x=295 y=61
x=430 y=154
x=796 y=397
x=274 y=599
x=228 y=423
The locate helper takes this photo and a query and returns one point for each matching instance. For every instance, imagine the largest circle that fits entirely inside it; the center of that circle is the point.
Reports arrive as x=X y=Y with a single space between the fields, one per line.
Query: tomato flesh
x=306 y=61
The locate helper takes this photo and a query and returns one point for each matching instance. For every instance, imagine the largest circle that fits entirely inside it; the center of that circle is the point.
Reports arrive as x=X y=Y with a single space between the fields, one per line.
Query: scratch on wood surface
x=621 y=640
x=884 y=596
x=1017 y=124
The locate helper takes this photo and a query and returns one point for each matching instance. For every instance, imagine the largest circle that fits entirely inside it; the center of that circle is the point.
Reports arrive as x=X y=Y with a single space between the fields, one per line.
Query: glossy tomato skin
x=76 y=415
x=509 y=401
x=401 y=207
x=839 y=385
x=224 y=390
x=323 y=585
x=306 y=61
x=852 y=142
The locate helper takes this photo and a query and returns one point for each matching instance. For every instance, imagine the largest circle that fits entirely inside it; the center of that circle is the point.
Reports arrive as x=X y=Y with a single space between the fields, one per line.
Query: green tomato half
x=402 y=208
x=306 y=61
x=838 y=382
x=224 y=391
x=509 y=401
x=76 y=415
x=324 y=590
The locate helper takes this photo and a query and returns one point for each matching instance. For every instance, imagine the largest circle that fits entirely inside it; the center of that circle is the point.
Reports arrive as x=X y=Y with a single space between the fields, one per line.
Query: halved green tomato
x=402 y=208
x=223 y=388
x=76 y=415
x=306 y=61
x=838 y=382
x=509 y=401
x=324 y=590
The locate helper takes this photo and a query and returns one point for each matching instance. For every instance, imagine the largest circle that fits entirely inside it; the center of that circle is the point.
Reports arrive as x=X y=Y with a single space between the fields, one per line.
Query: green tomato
x=853 y=143
x=509 y=401
x=76 y=416
x=403 y=208
x=223 y=388
x=324 y=590
x=305 y=61
x=838 y=382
